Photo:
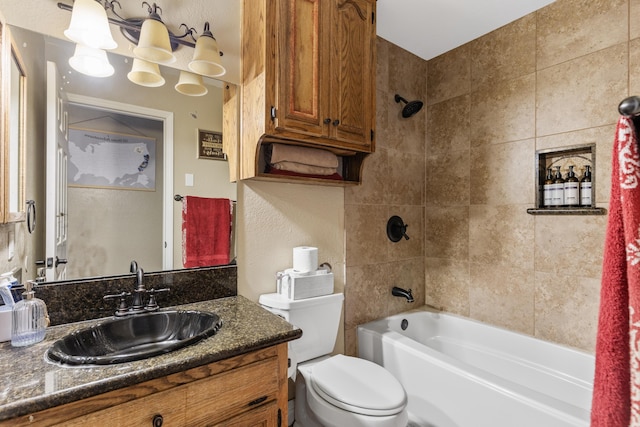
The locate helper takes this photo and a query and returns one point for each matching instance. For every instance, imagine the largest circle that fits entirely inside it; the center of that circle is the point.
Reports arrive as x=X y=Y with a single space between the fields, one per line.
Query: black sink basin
x=136 y=337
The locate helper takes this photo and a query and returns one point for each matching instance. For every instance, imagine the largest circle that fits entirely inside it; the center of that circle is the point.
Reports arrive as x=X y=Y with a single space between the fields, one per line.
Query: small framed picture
x=210 y=145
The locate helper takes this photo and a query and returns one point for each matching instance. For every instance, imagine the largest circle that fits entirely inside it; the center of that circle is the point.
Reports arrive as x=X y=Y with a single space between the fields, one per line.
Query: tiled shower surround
x=461 y=173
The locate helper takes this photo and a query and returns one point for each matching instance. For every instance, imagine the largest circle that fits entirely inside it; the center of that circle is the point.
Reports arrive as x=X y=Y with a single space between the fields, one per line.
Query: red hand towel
x=616 y=391
x=206 y=231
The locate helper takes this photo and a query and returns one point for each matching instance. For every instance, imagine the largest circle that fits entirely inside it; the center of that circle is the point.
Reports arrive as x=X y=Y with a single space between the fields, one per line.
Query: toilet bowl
x=342 y=391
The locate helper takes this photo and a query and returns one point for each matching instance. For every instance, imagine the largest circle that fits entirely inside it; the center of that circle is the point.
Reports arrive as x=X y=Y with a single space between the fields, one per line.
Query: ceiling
x=429 y=28
x=426 y=28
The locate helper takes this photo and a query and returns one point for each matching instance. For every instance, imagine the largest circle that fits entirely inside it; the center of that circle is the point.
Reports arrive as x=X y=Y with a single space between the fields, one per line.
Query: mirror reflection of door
x=57 y=156
x=115 y=192
x=101 y=222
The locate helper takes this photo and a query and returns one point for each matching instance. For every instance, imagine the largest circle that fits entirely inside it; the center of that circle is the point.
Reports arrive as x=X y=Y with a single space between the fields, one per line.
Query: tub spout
x=399 y=292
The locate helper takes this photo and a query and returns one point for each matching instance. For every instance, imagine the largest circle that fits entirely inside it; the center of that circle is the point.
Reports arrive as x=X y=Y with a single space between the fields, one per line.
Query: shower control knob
x=336 y=122
x=327 y=121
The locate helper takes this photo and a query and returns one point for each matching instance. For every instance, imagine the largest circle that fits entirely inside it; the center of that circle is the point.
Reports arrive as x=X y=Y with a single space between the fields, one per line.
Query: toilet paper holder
x=396 y=229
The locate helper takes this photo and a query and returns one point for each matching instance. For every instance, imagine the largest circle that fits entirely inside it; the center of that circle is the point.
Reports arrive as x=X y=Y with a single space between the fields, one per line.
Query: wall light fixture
x=155 y=44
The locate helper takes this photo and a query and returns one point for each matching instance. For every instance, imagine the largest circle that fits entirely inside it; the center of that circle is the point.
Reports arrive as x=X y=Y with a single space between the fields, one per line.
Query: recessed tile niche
x=579 y=156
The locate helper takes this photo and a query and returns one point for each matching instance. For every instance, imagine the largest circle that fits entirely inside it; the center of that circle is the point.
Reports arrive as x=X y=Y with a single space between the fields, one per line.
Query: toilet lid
x=358 y=386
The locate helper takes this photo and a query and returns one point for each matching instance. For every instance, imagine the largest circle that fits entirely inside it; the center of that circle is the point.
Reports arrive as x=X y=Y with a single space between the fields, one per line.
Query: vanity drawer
x=170 y=405
x=215 y=399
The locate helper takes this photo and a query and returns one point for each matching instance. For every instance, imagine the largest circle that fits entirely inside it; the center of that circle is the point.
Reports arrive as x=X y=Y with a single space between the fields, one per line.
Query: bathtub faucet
x=399 y=292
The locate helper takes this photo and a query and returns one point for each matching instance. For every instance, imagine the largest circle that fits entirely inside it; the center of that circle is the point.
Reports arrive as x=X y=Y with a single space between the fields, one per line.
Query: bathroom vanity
x=236 y=377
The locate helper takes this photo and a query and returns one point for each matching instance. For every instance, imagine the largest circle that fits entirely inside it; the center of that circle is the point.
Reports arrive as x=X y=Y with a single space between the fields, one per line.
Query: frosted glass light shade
x=154 y=44
x=91 y=61
x=145 y=73
x=89 y=25
x=206 y=58
x=191 y=84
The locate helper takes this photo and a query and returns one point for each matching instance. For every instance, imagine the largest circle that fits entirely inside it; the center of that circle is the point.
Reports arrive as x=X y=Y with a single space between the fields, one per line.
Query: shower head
x=410 y=108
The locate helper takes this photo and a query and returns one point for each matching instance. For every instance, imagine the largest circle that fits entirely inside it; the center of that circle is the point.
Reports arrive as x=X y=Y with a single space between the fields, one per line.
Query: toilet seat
x=358 y=386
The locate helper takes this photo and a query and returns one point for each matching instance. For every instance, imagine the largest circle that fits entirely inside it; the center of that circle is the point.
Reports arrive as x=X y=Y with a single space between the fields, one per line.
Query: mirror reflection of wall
x=210 y=177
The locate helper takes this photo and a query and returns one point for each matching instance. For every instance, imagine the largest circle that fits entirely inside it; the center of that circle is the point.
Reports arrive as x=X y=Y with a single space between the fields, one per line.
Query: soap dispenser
x=30 y=319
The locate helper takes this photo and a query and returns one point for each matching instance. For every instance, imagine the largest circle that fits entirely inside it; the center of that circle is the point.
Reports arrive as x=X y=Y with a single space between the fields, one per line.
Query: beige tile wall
x=393 y=184
x=462 y=173
x=551 y=79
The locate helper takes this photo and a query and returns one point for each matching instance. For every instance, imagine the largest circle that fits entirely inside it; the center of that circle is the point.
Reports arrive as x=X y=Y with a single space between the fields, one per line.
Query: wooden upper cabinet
x=308 y=78
x=325 y=66
x=353 y=71
x=303 y=101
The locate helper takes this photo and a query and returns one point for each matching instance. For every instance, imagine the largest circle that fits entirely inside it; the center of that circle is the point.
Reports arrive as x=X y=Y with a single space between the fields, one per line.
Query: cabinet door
x=302 y=70
x=353 y=67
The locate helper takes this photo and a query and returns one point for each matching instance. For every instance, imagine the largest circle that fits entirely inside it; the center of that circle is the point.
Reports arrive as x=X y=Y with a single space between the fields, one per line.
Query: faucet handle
x=123 y=309
x=152 y=305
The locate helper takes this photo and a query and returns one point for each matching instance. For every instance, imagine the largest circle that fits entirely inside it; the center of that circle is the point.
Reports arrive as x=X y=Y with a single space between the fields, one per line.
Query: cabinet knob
x=327 y=121
x=336 y=122
x=157 y=420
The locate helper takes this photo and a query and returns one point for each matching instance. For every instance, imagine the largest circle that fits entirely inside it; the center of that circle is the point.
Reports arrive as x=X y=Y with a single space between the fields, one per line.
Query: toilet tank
x=318 y=317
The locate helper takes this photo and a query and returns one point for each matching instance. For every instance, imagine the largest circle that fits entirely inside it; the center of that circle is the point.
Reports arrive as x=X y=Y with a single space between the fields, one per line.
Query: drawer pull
x=157 y=420
x=257 y=401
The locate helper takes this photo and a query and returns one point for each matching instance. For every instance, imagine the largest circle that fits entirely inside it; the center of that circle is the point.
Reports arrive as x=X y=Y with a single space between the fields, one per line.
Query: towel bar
x=629 y=106
x=179 y=198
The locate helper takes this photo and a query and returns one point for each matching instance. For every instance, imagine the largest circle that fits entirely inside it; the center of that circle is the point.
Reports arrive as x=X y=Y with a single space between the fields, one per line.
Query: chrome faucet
x=399 y=292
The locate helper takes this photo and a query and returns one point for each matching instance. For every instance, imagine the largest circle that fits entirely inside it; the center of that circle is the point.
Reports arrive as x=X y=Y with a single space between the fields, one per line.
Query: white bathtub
x=462 y=373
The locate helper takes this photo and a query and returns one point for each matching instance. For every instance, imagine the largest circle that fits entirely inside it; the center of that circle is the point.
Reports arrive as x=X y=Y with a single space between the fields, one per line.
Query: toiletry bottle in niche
x=547 y=188
x=557 y=193
x=585 y=187
x=29 y=319
x=571 y=189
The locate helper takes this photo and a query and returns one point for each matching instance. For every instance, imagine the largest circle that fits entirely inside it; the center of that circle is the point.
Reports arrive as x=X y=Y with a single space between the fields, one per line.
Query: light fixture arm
x=110 y=5
x=135 y=26
x=153 y=11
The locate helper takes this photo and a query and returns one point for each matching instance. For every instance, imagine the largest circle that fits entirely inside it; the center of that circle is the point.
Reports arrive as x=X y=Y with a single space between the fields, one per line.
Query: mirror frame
x=12 y=181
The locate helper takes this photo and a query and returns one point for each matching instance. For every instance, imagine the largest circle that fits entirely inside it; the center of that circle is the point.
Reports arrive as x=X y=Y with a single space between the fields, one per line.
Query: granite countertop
x=31 y=383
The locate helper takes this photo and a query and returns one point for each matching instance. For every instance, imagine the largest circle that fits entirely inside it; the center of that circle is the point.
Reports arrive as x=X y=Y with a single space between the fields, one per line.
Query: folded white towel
x=304 y=155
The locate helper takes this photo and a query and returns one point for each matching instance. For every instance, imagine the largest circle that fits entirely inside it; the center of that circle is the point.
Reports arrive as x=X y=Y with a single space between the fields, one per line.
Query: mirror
x=14 y=86
x=115 y=106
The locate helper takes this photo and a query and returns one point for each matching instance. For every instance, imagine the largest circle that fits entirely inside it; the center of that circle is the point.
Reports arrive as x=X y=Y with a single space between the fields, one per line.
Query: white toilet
x=334 y=391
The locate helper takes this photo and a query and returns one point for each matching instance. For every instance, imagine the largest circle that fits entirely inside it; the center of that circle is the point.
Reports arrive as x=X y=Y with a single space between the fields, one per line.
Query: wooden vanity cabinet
x=250 y=389
x=308 y=76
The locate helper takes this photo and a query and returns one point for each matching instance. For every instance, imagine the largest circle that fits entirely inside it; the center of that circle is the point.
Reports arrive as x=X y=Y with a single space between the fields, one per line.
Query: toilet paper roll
x=305 y=259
